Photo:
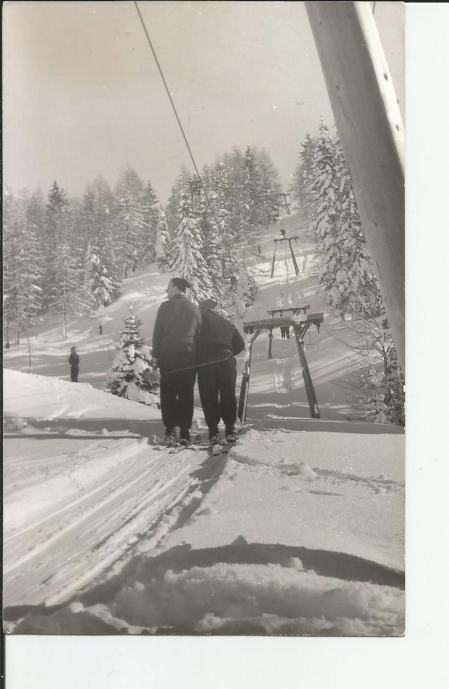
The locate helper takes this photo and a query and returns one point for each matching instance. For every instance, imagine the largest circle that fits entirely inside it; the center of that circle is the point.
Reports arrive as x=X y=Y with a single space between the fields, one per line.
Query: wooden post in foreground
x=370 y=127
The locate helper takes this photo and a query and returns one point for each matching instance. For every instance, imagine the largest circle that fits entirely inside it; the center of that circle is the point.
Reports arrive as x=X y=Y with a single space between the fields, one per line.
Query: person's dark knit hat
x=208 y=304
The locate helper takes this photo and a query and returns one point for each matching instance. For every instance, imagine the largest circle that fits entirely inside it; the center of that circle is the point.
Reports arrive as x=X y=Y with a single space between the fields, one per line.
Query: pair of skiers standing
x=190 y=339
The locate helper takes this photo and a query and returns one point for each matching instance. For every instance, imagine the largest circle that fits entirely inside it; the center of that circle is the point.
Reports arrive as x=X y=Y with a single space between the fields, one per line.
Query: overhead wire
x=178 y=119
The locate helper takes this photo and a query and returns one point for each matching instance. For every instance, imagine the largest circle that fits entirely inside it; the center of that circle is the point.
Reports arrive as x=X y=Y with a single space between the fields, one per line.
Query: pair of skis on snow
x=176 y=447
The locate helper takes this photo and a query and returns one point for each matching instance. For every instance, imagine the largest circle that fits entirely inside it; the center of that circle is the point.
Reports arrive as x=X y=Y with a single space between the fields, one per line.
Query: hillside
x=299 y=529
x=277 y=396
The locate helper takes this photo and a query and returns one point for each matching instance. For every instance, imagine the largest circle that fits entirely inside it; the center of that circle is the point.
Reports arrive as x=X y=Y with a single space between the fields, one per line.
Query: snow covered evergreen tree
x=270 y=188
x=133 y=373
x=188 y=244
x=101 y=287
x=99 y=218
x=56 y=230
x=151 y=219
x=68 y=297
x=130 y=219
x=303 y=177
x=348 y=275
x=172 y=206
x=213 y=246
x=164 y=245
x=22 y=264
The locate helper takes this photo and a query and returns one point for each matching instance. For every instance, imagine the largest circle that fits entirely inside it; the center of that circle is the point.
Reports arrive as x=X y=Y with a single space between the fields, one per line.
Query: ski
x=244 y=387
x=174 y=448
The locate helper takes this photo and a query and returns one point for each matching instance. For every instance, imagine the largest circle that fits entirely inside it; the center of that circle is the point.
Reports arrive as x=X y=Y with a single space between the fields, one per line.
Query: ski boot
x=214 y=438
x=184 y=437
x=170 y=439
x=231 y=435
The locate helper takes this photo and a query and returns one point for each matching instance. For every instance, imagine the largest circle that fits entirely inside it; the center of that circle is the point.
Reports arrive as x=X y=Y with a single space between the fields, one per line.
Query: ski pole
x=206 y=363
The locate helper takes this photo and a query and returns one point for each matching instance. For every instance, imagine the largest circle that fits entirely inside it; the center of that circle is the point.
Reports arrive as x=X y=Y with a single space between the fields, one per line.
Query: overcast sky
x=82 y=94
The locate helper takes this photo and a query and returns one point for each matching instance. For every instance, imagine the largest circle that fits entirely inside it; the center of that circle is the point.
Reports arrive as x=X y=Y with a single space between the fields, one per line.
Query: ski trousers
x=216 y=384
x=74 y=374
x=176 y=388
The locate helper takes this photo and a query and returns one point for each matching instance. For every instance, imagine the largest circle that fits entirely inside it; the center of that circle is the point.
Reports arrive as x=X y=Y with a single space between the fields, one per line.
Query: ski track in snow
x=72 y=541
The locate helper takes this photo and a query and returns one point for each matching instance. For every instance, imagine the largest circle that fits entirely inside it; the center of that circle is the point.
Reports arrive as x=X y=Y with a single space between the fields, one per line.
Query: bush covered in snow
x=134 y=374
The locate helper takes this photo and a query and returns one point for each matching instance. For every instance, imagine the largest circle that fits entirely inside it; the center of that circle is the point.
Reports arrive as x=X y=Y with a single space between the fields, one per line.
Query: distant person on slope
x=217 y=343
x=74 y=361
x=177 y=323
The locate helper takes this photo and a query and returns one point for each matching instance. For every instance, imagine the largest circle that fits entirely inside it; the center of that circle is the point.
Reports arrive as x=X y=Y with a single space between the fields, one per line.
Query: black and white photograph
x=204 y=318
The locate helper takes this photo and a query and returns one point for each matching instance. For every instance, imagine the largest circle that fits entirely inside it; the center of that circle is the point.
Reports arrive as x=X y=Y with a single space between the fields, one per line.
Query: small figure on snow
x=217 y=344
x=74 y=361
x=100 y=328
x=177 y=323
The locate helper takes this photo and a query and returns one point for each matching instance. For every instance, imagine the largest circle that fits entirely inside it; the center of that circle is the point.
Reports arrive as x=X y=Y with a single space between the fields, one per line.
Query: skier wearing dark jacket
x=217 y=343
x=74 y=361
x=177 y=323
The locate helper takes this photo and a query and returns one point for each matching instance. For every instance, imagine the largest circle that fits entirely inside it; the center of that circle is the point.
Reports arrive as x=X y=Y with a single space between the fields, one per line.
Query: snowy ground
x=299 y=529
x=290 y=532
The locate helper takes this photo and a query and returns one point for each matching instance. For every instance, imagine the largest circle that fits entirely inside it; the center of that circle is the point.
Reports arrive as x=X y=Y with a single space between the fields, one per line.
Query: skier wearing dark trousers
x=74 y=361
x=285 y=332
x=177 y=323
x=217 y=343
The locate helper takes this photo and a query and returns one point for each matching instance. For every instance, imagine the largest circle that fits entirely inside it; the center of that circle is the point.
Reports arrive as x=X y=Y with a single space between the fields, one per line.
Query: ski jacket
x=177 y=323
x=74 y=360
x=217 y=338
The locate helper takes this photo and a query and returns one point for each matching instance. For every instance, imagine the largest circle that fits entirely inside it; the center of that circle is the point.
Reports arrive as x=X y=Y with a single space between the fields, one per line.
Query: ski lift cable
x=175 y=111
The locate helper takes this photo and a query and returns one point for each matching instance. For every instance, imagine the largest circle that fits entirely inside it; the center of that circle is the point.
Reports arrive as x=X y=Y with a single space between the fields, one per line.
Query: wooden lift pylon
x=254 y=328
x=284 y=238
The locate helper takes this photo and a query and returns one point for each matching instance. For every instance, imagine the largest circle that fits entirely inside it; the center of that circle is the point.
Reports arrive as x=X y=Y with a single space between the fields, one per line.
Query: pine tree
x=130 y=218
x=56 y=231
x=212 y=246
x=164 y=245
x=189 y=261
x=151 y=219
x=101 y=286
x=221 y=199
x=172 y=207
x=8 y=262
x=99 y=217
x=270 y=189
x=68 y=297
x=303 y=176
x=22 y=265
x=348 y=276
x=326 y=202
x=134 y=374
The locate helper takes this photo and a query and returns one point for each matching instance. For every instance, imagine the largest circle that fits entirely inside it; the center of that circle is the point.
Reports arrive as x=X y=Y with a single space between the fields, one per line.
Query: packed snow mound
x=27 y=395
x=234 y=598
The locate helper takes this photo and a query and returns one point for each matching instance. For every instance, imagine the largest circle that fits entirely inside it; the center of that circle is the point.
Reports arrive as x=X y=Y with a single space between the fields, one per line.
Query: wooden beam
x=269 y=323
x=370 y=127
x=308 y=384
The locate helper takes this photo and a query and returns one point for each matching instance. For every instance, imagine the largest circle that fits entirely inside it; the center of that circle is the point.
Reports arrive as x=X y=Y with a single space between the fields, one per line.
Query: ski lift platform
x=300 y=322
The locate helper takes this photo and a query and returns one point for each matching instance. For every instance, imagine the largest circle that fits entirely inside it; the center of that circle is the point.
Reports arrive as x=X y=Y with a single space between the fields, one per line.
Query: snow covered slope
x=291 y=532
x=277 y=396
x=299 y=529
